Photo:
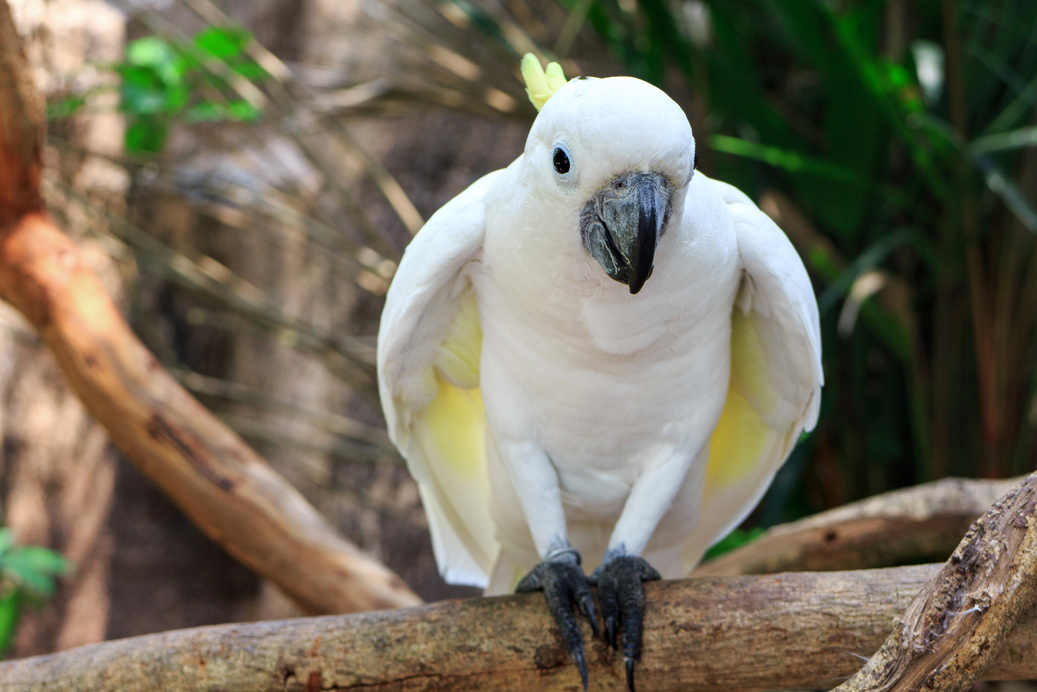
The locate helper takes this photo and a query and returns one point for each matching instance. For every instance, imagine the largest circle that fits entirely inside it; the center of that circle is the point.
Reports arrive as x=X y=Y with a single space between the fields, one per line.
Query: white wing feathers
x=421 y=303
x=776 y=378
x=428 y=377
x=777 y=289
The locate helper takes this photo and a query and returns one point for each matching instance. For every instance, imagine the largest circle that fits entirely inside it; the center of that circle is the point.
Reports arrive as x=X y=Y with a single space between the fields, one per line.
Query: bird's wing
x=775 y=389
x=429 y=346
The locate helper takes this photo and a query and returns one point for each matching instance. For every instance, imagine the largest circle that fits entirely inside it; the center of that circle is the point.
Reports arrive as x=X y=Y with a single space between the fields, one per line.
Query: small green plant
x=209 y=78
x=27 y=577
x=164 y=80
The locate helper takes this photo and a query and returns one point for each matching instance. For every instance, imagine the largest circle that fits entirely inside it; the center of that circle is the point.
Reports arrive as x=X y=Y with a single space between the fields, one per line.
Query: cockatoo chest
x=605 y=381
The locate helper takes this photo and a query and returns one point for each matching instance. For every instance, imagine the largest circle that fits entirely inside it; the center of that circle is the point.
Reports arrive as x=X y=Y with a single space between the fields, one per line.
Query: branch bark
x=224 y=487
x=21 y=135
x=962 y=619
x=789 y=631
x=919 y=524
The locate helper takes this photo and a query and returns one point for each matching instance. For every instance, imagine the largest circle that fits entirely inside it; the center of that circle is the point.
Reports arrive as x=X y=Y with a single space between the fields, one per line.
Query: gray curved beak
x=622 y=223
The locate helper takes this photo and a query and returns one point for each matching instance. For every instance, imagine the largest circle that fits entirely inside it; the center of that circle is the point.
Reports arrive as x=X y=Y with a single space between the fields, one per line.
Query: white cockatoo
x=598 y=353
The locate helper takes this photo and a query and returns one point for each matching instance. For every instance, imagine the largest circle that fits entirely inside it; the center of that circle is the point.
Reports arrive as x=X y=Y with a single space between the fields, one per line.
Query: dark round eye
x=561 y=161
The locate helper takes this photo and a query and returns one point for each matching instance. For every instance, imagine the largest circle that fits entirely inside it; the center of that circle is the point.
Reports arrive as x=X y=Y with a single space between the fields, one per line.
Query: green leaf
x=243 y=110
x=6 y=540
x=250 y=70
x=42 y=560
x=735 y=539
x=160 y=56
x=10 y=613
x=65 y=107
x=1002 y=141
x=25 y=576
x=205 y=112
x=141 y=91
x=787 y=160
x=228 y=45
x=223 y=43
x=1002 y=186
x=145 y=135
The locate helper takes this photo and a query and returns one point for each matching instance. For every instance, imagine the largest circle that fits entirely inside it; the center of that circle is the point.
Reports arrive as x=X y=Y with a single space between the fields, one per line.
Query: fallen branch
x=224 y=487
x=789 y=631
x=920 y=524
x=962 y=619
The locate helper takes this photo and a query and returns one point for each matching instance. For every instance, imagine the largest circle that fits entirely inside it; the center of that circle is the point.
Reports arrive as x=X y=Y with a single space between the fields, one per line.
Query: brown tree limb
x=961 y=620
x=224 y=487
x=788 y=631
x=21 y=132
x=920 y=524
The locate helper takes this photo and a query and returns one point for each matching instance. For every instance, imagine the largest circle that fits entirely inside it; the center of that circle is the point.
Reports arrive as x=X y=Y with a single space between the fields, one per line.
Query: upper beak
x=621 y=225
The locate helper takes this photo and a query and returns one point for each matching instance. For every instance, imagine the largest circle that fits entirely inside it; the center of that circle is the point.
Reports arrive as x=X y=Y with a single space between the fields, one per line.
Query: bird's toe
x=623 y=604
x=566 y=587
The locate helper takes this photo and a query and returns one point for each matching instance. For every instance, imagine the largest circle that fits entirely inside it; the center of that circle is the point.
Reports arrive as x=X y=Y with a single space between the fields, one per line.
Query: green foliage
x=904 y=137
x=27 y=576
x=162 y=81
x=735 y=539
x=165 y=80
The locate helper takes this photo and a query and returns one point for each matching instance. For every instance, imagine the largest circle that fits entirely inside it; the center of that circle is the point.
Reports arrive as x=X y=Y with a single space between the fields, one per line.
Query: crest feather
x=541 y=84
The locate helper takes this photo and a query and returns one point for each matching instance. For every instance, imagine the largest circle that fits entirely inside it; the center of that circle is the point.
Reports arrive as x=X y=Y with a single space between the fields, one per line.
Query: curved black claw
x=623 y=603
x=565 y=586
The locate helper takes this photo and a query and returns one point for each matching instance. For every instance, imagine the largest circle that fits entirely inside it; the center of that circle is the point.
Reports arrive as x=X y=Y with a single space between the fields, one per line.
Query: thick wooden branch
x=962 y=619
x=789 y=631
x=920 y=524
x=216 y=479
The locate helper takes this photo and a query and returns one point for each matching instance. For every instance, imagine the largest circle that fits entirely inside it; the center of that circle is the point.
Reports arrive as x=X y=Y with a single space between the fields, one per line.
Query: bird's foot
x=623 y=603
x=565 y=585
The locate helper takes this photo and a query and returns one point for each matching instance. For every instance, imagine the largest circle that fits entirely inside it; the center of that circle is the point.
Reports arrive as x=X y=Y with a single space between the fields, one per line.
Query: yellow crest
x=541 y=84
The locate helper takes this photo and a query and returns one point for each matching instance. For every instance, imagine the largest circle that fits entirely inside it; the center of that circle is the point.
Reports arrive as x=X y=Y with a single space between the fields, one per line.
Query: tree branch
x=21 y=132
x=918 y=524
x=789 y=631
x=224 y=487
x=961 y=620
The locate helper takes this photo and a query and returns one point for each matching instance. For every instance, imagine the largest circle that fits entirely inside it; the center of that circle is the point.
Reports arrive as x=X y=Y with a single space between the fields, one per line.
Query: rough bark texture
x=920 y=524
x=961 y=620
x=789 y=631
x=227 y=490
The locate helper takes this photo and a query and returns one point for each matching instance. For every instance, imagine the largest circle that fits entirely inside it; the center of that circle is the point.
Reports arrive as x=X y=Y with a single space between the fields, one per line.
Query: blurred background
x=246 y=173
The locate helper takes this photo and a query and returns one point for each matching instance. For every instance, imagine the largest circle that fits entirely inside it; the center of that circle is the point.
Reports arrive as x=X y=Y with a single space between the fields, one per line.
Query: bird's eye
x=561 y=161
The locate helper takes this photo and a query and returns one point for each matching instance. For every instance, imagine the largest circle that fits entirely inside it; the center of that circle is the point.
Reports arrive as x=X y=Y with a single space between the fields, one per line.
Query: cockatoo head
x=622 y=151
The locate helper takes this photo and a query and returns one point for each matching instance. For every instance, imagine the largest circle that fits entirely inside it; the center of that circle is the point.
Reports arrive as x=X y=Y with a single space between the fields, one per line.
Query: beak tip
x=638 y=282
